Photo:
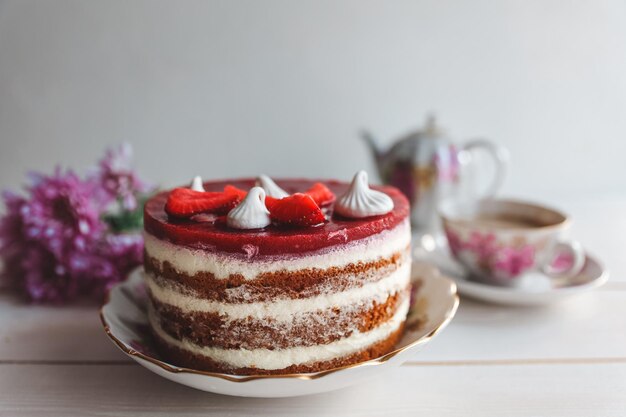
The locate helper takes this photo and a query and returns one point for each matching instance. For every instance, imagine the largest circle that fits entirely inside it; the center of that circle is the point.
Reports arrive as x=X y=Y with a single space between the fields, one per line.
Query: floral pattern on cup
x=495 y=257
x=563 y=262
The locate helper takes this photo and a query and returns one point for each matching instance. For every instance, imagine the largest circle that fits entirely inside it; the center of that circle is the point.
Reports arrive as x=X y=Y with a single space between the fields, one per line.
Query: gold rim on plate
x=245 y=378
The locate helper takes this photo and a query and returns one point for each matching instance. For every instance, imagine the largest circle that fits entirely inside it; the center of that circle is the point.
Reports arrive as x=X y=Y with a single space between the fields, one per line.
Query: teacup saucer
x=533 y=289
x=125 y=321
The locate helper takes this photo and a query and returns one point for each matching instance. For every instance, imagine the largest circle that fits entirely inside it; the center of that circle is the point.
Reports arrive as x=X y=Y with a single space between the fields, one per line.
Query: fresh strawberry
x=320 y=194
x=232 y=190
x=270 y=202
x=183 y=202
x=296 y=210
x=233 y=196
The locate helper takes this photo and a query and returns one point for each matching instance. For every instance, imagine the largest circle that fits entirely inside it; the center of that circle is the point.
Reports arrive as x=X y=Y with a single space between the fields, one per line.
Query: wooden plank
x=32 y=332
x=129 y=390
x=587 y=327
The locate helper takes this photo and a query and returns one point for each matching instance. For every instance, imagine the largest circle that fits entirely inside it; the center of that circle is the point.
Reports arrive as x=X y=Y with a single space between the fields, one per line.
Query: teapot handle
x=500 y=156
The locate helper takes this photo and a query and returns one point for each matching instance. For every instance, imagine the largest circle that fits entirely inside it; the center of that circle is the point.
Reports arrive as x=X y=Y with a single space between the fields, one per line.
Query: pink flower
x=55 y=243
x=117 y=178
x=40 y=236
x=483 y=246
x=514 y=261
x=62 y=213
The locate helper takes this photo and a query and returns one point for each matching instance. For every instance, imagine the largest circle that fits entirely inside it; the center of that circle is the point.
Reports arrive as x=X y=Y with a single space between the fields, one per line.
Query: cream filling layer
x=191 y=261
x=282 y=358
x=283 y=310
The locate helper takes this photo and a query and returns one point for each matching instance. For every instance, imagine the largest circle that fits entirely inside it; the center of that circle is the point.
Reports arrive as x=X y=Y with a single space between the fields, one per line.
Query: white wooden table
x=565 y=360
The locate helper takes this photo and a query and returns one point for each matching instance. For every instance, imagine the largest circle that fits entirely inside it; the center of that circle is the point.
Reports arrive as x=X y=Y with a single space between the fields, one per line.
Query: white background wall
x=227 y=88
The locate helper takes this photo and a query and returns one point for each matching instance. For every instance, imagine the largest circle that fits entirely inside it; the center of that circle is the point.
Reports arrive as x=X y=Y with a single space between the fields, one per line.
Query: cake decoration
x=196 y=184
x=271 y=188
x=297 y=210
x=251 y=213
x=361 y=201
x=321 y=194
x=183 y=202
x=274 y=204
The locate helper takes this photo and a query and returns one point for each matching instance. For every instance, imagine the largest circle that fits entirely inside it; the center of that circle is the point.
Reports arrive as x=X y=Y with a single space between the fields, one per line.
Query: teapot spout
x=372 y=145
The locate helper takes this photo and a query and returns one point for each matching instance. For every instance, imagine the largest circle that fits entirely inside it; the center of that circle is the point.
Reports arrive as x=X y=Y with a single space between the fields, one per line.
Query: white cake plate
x=124 y=319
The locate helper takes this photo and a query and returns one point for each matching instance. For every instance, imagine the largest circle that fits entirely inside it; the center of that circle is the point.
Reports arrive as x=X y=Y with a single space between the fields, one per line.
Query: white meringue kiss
x=196 y=184
x=360 y=201
x=270 y=187
x=251 y=213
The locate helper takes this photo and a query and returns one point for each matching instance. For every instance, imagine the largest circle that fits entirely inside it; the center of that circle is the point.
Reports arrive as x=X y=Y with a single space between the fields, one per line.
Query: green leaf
x=127 y=220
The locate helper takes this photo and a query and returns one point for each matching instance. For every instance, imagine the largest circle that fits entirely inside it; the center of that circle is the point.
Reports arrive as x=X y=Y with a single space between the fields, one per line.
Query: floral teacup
x=499 y=241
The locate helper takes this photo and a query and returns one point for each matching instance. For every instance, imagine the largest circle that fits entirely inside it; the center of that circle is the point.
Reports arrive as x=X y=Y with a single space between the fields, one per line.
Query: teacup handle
x=500 y=156
x=575 y=255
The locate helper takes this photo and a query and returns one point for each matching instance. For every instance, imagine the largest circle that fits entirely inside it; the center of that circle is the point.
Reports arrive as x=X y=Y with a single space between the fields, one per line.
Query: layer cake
x=278 y=299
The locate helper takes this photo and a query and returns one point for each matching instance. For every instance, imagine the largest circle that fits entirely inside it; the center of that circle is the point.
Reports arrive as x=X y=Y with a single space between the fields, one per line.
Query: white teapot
x=427 y=167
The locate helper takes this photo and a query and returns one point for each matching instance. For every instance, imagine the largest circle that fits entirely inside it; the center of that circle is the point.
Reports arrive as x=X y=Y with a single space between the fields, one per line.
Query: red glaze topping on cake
x=273 y=240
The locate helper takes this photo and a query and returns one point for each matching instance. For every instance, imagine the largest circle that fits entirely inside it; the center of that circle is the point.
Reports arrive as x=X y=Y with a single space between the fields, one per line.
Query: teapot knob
x=431 y=128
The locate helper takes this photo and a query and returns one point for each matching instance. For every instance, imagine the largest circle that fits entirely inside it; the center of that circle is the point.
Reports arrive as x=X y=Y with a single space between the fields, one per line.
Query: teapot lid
x=431 y=128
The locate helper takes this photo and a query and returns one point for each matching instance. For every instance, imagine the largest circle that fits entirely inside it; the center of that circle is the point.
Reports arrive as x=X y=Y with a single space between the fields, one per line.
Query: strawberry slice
x=270 y=202
x=320 y=194
x=183 y=202
x=296 y=210
x=233 y=196
x=232 y=190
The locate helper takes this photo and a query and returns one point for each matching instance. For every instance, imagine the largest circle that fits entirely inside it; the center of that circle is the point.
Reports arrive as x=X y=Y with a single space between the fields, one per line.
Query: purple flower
x=54 y=242
x=62 y=214
x=117 y=178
